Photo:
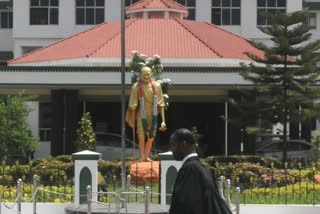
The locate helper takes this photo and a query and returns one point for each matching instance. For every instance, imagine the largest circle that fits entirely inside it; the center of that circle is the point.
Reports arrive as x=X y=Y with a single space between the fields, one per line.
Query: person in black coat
x=194 y=191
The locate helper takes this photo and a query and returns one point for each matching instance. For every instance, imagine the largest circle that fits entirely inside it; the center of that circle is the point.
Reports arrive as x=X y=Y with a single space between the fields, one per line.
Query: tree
x=283 y=87
x=86 y=138
x=16 y=140
x=316 y=146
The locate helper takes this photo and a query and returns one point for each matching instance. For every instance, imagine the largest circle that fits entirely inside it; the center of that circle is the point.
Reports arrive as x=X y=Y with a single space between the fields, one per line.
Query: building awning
x=108 y=76
x=113 y=69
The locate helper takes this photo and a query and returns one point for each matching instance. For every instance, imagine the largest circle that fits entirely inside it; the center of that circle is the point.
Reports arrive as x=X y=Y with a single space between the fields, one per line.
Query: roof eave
x=156 y=10
x=116 y=61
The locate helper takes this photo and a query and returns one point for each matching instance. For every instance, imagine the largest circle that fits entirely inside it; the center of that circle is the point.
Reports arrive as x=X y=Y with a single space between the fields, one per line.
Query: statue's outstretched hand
x=163 y=127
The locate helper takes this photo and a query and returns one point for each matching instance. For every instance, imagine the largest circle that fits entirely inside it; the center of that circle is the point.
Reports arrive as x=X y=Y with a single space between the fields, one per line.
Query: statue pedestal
x=145 y=171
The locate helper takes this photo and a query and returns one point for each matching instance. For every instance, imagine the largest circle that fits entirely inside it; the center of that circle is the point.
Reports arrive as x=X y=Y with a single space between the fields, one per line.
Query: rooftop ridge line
x=114 y=36
x=138 y=2
x=146 y=3
x=176 y=3
x=211 y=48
x=59 y=41
x=229 y=32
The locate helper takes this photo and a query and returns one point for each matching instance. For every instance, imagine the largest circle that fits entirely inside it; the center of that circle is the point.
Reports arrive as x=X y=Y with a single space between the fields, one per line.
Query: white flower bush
x=139 y=61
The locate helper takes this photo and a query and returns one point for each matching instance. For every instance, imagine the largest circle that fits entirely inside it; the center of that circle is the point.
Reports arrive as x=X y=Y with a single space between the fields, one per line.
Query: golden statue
x=146 y=102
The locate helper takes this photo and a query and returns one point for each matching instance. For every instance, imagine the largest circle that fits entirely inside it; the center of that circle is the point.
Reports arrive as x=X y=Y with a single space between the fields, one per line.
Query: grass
x=304 y=193
x=293 y=194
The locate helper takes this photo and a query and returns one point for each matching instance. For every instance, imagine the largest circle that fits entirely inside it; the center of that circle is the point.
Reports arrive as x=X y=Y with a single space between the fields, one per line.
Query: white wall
x=6 y=40
x=112 y=10
x=47 y=208
x=203 y=11
x=279 y=209
x=43 y=150
x=294 y=5
x=65 y=28
x=249 y=18
x=50 y=208
x=26 y=35
x=248 y=27
x=33 y=117
x=20 y=43
x=316 y=32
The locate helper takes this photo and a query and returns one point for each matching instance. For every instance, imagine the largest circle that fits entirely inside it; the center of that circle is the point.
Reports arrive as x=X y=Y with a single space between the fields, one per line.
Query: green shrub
x=254 y=170
x=292 y=194
x=111 y=171
x=21 y=171
x=54 y=170
x=241 y=159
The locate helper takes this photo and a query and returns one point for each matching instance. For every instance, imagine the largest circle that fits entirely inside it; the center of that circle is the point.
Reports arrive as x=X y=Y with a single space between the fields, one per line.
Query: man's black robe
x=195 y=192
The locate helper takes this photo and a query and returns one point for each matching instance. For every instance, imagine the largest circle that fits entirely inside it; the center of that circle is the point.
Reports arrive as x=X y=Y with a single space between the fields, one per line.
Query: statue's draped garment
x=148 y=102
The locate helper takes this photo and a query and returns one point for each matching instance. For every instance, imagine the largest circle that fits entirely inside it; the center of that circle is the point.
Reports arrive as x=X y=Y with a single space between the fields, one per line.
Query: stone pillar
x=85 y=173
x=169 y=171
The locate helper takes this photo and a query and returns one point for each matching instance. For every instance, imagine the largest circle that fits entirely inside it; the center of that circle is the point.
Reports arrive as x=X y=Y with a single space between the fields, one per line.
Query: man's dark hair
x=184 y=135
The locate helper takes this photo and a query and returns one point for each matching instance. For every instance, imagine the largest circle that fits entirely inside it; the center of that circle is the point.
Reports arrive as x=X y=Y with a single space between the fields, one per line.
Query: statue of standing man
x=146 y=103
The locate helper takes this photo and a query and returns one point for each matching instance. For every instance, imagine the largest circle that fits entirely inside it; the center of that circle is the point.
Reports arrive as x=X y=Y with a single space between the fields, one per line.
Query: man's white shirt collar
x=189 y=156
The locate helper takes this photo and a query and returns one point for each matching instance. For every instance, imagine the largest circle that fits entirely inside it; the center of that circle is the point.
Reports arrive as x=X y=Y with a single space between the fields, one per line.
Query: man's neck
x=192 y=154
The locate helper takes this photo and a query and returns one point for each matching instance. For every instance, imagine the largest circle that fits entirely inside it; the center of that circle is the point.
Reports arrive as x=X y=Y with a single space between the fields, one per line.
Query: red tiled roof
x=156 y=4
x=169 y=38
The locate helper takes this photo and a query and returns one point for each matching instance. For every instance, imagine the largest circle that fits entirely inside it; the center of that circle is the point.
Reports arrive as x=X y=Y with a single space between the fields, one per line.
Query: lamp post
x=123 y=94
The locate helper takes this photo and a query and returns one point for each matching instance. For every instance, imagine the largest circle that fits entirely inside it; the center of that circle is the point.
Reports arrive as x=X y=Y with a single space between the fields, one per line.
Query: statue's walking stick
x=134 y=135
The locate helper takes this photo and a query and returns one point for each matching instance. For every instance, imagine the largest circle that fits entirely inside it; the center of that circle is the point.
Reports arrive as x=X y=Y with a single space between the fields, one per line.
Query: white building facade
x=30 y=24
x=26 y=25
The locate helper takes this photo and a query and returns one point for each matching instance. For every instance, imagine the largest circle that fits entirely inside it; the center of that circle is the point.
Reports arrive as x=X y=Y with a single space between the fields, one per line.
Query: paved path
x=132 y=208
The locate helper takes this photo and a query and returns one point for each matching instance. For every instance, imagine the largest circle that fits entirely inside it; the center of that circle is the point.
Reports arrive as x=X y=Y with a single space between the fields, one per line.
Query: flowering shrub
x=256 y=171
x=52 y=171
x=263 y=161
x=139 y=61
x=294 y=194
x=111 y=171
x=10 y=193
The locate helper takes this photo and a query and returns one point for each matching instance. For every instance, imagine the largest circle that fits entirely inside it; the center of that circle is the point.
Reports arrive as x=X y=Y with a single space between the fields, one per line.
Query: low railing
x=119 y=200
x=288 y=183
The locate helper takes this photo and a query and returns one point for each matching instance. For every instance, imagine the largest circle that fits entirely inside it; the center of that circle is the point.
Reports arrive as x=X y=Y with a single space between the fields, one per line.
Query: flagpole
x=123 y=94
